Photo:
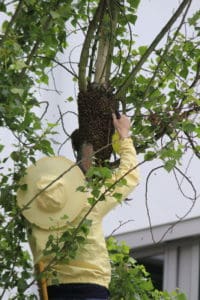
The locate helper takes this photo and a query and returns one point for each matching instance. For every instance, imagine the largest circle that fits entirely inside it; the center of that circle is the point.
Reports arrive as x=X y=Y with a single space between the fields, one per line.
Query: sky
x=165 y=200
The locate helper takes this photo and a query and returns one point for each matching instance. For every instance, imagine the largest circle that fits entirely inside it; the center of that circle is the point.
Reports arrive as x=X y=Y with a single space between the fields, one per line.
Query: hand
x=122 y=125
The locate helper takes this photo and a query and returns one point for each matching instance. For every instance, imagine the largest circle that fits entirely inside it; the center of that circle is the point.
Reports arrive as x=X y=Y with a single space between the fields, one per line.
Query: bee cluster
x=95 y=120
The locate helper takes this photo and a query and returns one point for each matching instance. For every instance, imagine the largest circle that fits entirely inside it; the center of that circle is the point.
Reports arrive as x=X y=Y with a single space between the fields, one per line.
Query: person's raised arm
x=122 y=125
x=127 y=168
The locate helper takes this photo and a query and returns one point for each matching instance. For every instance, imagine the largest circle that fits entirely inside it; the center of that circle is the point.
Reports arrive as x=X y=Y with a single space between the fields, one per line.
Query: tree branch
x=114 y=16
x=122 y=89
x=119 y=226
x=180 y=218
x=65 y=68
x=196 y=152
x=86 y=47
x=36 y=45
x=14 y=17
x=106 y=43
x=197 y=76
x=162 y=58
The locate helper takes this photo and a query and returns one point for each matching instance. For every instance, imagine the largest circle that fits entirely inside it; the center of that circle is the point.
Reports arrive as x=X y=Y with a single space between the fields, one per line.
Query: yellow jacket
x=91 y=264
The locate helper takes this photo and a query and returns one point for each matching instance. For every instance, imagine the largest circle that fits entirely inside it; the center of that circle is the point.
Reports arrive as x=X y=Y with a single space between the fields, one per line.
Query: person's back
x=87 y=276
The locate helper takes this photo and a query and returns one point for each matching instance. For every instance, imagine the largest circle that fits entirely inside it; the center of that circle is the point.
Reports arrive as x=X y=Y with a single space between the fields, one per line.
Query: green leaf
x=184 y=72
x=131 y=18
x=18 y=91
x=15 y=155
x=106 y=172
x=44 y=78
x=100 y=172
x=181 y=297
x=54 y=14
x=91 y=200
x=45 y=146
x=64 y=217
x=18 y=65
x=81 y=189
x=70 y=99
x=188 y=126
x=142 y=49
x=2 y=7
x=150 y=155
x=122 y=182
x=197 y=130
x=169 y=165
x=24 y=187
x=95 y=192
x=117 y=196
x=134 y=3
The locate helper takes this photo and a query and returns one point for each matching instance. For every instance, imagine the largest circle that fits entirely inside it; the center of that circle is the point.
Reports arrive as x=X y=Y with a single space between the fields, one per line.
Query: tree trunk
x=96 y=101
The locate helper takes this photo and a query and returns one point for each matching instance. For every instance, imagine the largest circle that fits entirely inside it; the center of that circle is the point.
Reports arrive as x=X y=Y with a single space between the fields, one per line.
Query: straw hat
x=57 y=195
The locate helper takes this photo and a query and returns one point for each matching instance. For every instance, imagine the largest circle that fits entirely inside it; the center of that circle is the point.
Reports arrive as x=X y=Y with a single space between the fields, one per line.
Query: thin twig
x=122 y=89
x=119 y=226
x=73 y=73
x=196 y=152
x=13 y=19
x=63 y=143
x=101 y=197
x=166 y=50
x=181 y=218
x=187 y=168
x=45 y=110
x=180 y=188
x=62 y=122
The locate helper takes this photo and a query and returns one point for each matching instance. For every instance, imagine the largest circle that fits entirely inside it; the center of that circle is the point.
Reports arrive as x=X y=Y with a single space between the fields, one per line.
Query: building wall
x=174 y=262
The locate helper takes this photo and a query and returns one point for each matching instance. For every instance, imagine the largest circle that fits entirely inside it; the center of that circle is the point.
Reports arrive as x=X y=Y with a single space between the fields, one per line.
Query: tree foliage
x=133 y=279
x=156 y=85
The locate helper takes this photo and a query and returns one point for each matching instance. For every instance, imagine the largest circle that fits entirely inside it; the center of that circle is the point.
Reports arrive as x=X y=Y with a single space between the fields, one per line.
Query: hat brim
x=56 y=167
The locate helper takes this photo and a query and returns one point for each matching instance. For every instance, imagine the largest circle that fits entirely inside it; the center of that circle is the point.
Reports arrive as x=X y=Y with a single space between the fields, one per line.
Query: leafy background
x=165 y=125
